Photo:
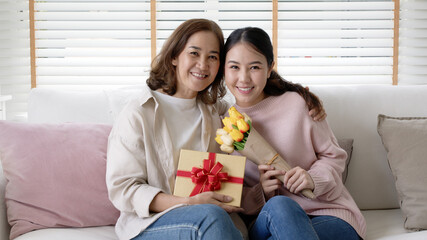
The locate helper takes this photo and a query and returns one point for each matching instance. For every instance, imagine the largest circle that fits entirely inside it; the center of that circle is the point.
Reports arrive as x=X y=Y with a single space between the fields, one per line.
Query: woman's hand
x=316 y=111
x=318 y=114
x=214 y=198
x=268 y=181
x=297 y=179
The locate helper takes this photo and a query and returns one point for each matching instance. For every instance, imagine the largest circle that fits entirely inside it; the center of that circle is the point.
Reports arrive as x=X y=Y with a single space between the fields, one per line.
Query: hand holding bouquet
x=238 y=134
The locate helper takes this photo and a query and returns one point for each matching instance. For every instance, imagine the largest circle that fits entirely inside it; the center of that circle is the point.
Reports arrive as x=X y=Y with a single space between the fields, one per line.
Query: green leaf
x=239 y=145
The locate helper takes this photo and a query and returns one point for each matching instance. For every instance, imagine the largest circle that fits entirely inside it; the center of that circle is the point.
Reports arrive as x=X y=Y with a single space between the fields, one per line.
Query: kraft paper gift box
x=204 y=171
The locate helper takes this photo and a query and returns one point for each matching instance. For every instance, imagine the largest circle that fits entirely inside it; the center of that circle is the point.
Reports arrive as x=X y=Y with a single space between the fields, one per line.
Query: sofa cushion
x=384 y=223
x=58 y=106
x=405 y=140
x=88 y=233
x=55 y=175
x=118 y=98
x=347 y=145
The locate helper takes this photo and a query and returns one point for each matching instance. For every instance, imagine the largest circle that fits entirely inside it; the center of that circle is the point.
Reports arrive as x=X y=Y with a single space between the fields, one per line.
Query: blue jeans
x=283 y=218
x=204 y=221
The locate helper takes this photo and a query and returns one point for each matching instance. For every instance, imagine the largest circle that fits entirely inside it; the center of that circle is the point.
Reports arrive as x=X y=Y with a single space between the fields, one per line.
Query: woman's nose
x=203 y=64
x=243 y=76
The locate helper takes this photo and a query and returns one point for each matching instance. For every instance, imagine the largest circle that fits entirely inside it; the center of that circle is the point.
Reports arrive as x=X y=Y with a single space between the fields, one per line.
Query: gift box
x=204 y=171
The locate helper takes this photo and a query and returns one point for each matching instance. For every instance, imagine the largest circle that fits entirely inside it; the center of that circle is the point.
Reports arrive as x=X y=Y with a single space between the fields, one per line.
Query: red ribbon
x=209 y=177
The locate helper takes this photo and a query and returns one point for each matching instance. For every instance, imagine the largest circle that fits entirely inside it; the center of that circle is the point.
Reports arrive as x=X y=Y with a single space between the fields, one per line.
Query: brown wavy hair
x=163 y=72
x=276 y=85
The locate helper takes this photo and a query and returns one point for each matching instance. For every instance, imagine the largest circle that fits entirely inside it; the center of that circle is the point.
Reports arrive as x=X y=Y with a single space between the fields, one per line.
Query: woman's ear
x=270 y=69
x=174 y=61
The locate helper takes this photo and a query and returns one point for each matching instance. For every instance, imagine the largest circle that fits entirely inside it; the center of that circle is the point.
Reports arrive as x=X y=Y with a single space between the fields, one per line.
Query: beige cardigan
x=140 y=162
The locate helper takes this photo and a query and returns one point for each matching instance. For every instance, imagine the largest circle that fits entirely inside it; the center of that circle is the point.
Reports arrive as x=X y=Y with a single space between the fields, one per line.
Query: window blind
x=228 y=14
x=15 y=56
x=84 y=45
x=413 y=42
x=336 y=42
x=107 y=43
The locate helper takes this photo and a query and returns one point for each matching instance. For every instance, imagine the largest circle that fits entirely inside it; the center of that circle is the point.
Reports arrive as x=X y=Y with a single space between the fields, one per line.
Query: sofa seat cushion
x=89 y=233
x=388 y=225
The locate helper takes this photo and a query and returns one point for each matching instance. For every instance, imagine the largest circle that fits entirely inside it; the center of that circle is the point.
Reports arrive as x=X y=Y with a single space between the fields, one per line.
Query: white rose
x=227 y=148
x=221 y=131
x=227 y=140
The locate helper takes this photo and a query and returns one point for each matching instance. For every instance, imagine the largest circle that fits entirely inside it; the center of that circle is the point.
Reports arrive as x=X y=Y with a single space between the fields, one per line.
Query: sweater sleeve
x=252 y=199
x=126 y=175
x=326 y=171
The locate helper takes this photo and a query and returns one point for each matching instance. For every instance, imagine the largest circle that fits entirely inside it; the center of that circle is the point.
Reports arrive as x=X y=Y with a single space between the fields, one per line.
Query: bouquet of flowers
x=238 y=134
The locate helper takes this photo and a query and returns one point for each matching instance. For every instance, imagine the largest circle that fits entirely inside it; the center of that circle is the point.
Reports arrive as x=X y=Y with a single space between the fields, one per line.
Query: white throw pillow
x=59 y=106
x=118 y=98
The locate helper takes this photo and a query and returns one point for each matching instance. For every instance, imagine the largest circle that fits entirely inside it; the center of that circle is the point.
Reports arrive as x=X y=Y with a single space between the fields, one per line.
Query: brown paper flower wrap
x=254 y=147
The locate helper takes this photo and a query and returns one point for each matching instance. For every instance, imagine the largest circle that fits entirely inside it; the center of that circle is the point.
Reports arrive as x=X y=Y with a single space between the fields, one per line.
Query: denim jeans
x=283 y=218
x=204 y=221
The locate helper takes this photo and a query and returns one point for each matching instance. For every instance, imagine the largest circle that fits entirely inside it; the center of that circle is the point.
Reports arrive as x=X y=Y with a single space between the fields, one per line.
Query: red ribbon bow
x=209 y=177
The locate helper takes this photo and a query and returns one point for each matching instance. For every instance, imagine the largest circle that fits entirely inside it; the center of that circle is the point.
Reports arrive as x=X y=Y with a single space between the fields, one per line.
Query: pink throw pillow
x=55 y=175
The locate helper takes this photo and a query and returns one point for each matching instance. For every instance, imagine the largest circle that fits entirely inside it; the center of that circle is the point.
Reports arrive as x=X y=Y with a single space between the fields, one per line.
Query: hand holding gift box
x=203 y=171
x=238 y=134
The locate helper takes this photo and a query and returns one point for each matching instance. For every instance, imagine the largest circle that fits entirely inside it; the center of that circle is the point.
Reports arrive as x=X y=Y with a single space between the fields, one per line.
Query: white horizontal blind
x=84 y=44
x=92 y=44
x=228 y=14
x=15 y=56
x=336 y=42
x=413 y=42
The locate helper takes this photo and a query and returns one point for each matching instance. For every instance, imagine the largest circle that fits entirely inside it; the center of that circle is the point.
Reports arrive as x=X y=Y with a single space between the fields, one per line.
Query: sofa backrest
x=57 y=106
x=352 y=113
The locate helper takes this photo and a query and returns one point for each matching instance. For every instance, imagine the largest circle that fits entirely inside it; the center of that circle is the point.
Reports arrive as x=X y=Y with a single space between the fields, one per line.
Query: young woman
x=279 y=114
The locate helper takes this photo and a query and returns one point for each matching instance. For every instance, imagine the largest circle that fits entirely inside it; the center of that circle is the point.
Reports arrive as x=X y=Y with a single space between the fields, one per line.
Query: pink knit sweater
x=284 y=122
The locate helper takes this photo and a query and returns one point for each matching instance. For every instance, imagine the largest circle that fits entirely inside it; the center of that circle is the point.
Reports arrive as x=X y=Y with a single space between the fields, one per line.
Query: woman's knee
x=217 y=222
x=212 y=211
x=282 y=202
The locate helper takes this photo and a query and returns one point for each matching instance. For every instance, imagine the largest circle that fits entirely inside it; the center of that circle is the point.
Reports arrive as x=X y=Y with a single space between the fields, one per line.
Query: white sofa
x=352 y=113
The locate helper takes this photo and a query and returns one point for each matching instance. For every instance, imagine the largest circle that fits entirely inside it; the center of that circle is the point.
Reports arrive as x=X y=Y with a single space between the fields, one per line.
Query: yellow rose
x=234 y=113
x=242 y=125
x=219 y=140
x=227 y=124
x=236 y=135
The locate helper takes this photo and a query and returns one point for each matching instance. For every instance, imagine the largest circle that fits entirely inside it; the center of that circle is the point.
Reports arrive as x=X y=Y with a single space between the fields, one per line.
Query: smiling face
x=246 y=73
x=197 y=65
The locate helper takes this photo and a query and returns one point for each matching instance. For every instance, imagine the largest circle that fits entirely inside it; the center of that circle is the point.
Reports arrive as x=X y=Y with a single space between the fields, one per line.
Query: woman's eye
x=234 y=67
x=213 y=57
x=255 y=67
x=194 y=53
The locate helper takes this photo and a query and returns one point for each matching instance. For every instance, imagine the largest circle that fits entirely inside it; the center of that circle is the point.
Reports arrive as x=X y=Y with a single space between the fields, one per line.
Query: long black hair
x=276 y=85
